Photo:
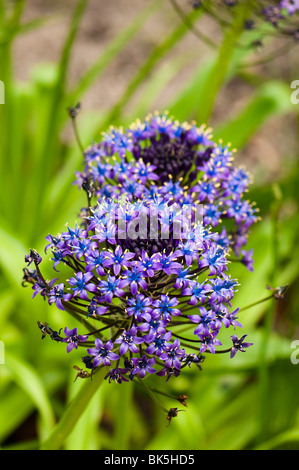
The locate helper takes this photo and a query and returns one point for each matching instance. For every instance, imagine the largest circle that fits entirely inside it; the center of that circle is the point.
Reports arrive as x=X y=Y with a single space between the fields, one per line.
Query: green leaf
x=162 y=49
x=287 y=437
x=73 y=412
x=12 y=253
x=14 y=409
x=278 y=348
x=114 y=48
x=220 y=69
x=270 y=100
x=29 y=381
x=188 y=101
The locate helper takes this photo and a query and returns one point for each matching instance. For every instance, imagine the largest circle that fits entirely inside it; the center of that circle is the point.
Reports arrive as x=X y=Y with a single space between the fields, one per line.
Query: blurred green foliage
x=250 y=402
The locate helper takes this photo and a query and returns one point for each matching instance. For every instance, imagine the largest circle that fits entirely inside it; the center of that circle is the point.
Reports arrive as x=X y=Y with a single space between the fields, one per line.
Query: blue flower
x=148 y=264
x=215 y=259
x=134 y=278
x=165 y=307
x=106 y=232
x=222 y=288
x=95 y=260
x=207 y=322
x=197 y=292
x=189 y=250
x=140 y=307
x=145 y=172
x=155 y=325
x=81 y=285
x=168 y=263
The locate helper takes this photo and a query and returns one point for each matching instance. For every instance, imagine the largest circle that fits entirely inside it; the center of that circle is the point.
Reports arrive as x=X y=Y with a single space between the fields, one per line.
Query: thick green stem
x=264 y=384
x=147 y=67
x=74 y=411
x=256 y=303
x=218 y=73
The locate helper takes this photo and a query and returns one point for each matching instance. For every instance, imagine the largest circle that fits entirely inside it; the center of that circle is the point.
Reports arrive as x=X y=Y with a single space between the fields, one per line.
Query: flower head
x=154 y=254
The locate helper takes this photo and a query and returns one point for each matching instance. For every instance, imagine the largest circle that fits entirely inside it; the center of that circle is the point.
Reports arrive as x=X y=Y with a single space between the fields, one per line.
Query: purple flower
x=95 y=261
x=207 y=322
x=112 y=287
x=211 y=215
x=172 y=355
x=145 y=172
x=58 y=296
x=155 y=325
x=223 y=317
x=102 y=353
x=238 y=345
x=209 y=341
x=41 y=288
x=143 y=365
x=184 y=278
x=117 y=375
x=33 y=257
x=117 y=142
x=140 y=307
x=168 y=263
x=106 y=232
x=290 y=5
x=272 y=14
x=222 y=288
x=157 y=342
x=148 y=264
x=82 y=247
x=189 y=251
x=129 y=340
x=169 y=371
x=72 y=339
x=206 y=191
x=197 y=292
x=247 y=259
x=95 y=309
x=117 y=259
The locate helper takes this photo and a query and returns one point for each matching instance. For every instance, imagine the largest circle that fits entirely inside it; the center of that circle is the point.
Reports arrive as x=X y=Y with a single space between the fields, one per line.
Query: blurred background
x=122 y=60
